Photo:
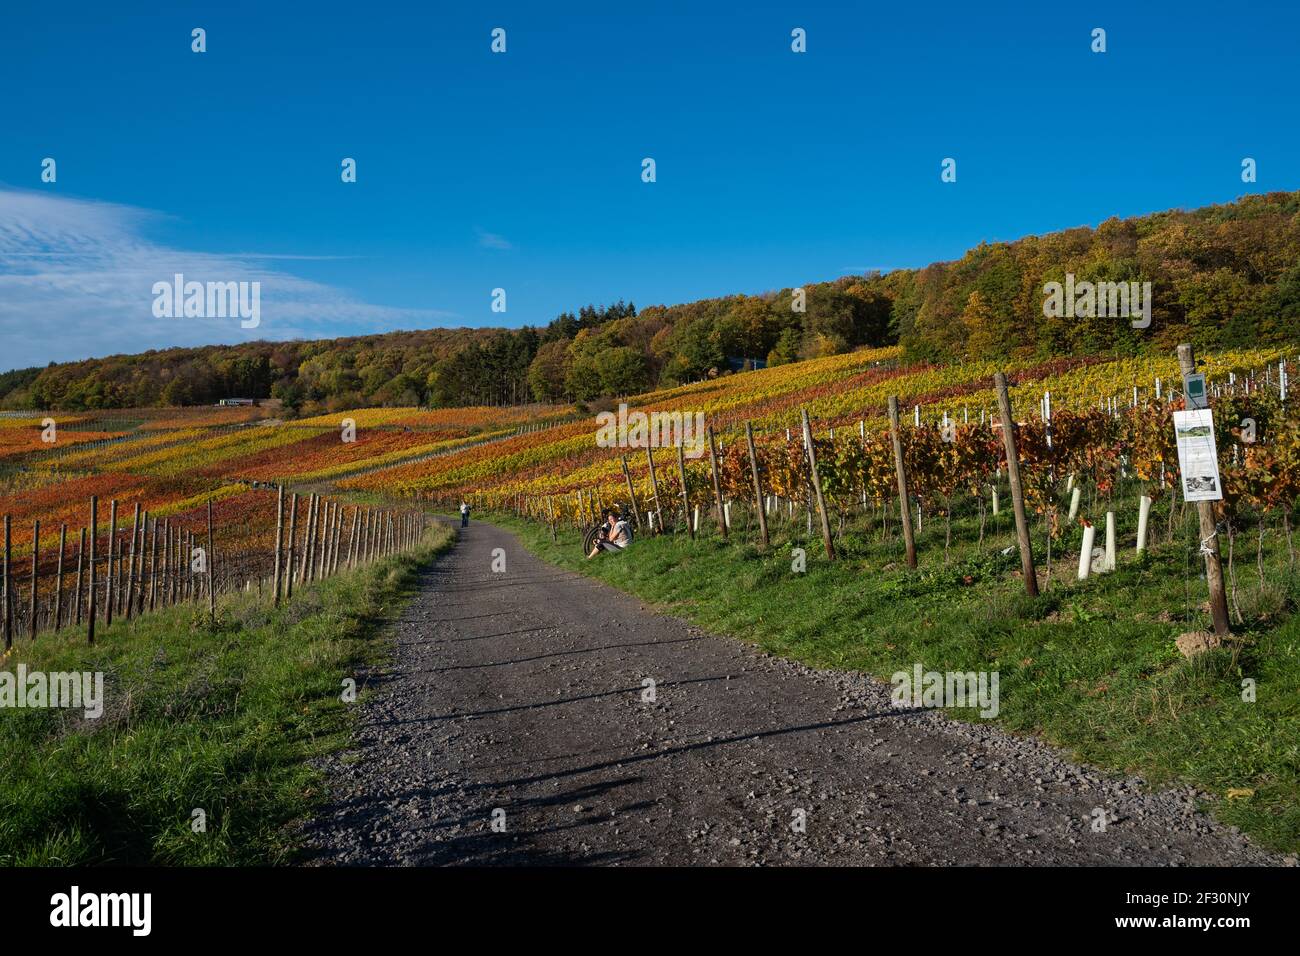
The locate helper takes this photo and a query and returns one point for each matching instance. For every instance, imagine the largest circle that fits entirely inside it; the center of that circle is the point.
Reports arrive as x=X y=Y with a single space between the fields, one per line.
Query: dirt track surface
x=522 y=692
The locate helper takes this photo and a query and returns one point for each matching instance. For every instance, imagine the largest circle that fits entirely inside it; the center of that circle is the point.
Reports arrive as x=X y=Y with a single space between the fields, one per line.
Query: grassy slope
x=1090 y=666
x=224 y=719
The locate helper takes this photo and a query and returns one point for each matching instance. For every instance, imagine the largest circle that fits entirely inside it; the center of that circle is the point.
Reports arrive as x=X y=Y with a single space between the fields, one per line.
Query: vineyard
x=1100 y=427
x=121 y=512
x=1094 y=438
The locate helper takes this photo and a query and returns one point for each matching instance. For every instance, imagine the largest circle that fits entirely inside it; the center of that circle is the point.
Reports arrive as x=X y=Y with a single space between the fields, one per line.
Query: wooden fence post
x=212 y=578
x=1017 y=492
x=717 y=484
x=817 y=486
x=323 y=533
x=36 y=583
x=130 y=574
x=58 y=577
x=81 y=561
x=328 y=544
x=1209 y=530
x=654 y=487
x=165 y=587
x=153 y=566
x=900 y=469
x=279 y=544
x=352 y=536
x=174 y=562
x=338 y=538
x=8 y=613
x=758 y=486
x=288 y=566
x=686 y=499
x=108 y=569
x=309 y=537
x=137 y=593
x=94 y=533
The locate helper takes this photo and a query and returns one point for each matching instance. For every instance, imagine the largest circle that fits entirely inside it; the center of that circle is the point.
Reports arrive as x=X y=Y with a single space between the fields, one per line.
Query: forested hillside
x=1222 y=277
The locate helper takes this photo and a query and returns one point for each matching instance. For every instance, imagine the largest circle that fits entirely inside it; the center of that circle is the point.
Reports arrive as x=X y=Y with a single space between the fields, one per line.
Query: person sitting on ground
x=615 y=535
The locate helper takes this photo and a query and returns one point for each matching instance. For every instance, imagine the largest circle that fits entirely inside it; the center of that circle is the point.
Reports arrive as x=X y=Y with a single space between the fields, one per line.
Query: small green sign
x=1194 y=390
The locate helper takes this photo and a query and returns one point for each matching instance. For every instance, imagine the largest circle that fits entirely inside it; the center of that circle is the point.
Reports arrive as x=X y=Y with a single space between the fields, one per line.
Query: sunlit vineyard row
x=1109 y=417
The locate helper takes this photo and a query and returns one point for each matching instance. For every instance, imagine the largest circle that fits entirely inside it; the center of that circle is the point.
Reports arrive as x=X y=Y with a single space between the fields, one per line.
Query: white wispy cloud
x=490 y=240
x=76 y=280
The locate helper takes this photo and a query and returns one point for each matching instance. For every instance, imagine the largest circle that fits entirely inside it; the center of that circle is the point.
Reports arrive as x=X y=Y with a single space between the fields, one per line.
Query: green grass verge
x=1090 y=666
x=223 y=719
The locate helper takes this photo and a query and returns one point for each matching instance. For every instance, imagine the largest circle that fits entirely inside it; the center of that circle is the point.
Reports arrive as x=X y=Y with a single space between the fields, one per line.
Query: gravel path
x=521 y=692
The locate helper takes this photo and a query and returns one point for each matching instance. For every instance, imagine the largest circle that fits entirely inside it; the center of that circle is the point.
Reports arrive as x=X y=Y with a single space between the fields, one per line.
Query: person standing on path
x=464 y=515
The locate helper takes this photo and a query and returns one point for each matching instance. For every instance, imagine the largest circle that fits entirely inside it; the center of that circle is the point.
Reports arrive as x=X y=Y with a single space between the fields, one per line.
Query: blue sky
x=522 y=170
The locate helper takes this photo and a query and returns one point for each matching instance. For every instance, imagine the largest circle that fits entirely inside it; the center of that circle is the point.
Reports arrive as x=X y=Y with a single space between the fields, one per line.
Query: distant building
x=739 y=363
x=238 y=401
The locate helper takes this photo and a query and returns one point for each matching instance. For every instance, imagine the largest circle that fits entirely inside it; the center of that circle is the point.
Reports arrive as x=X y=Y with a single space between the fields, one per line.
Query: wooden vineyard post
x=279 y=545
x=323 y=533
x=164 y=565
x=900 y=470
x=338 y=536
x=81 y=563
x=36 y=584
x=305 y=554
x=288 y=565
x=130 y=574
x=686 y=500
x=167 y=578
x=327 y=542
x=1017 y=492
x=139 y=571
x=338 y=541
x=108 y=568
x=631 y=495
x=758 y=487
x=309 y=538
x=1209 y=530
x=654 y=487
x=550 y=513
x=322 y=538
x=153 y=566
x=817 y=486
x=58 y=577
x=212 y=579
x=352 y=536
x=90 y=564
x=717 y=484
x=310 y=547
x=119 y=579
x=174 y=565
x=8 y=613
